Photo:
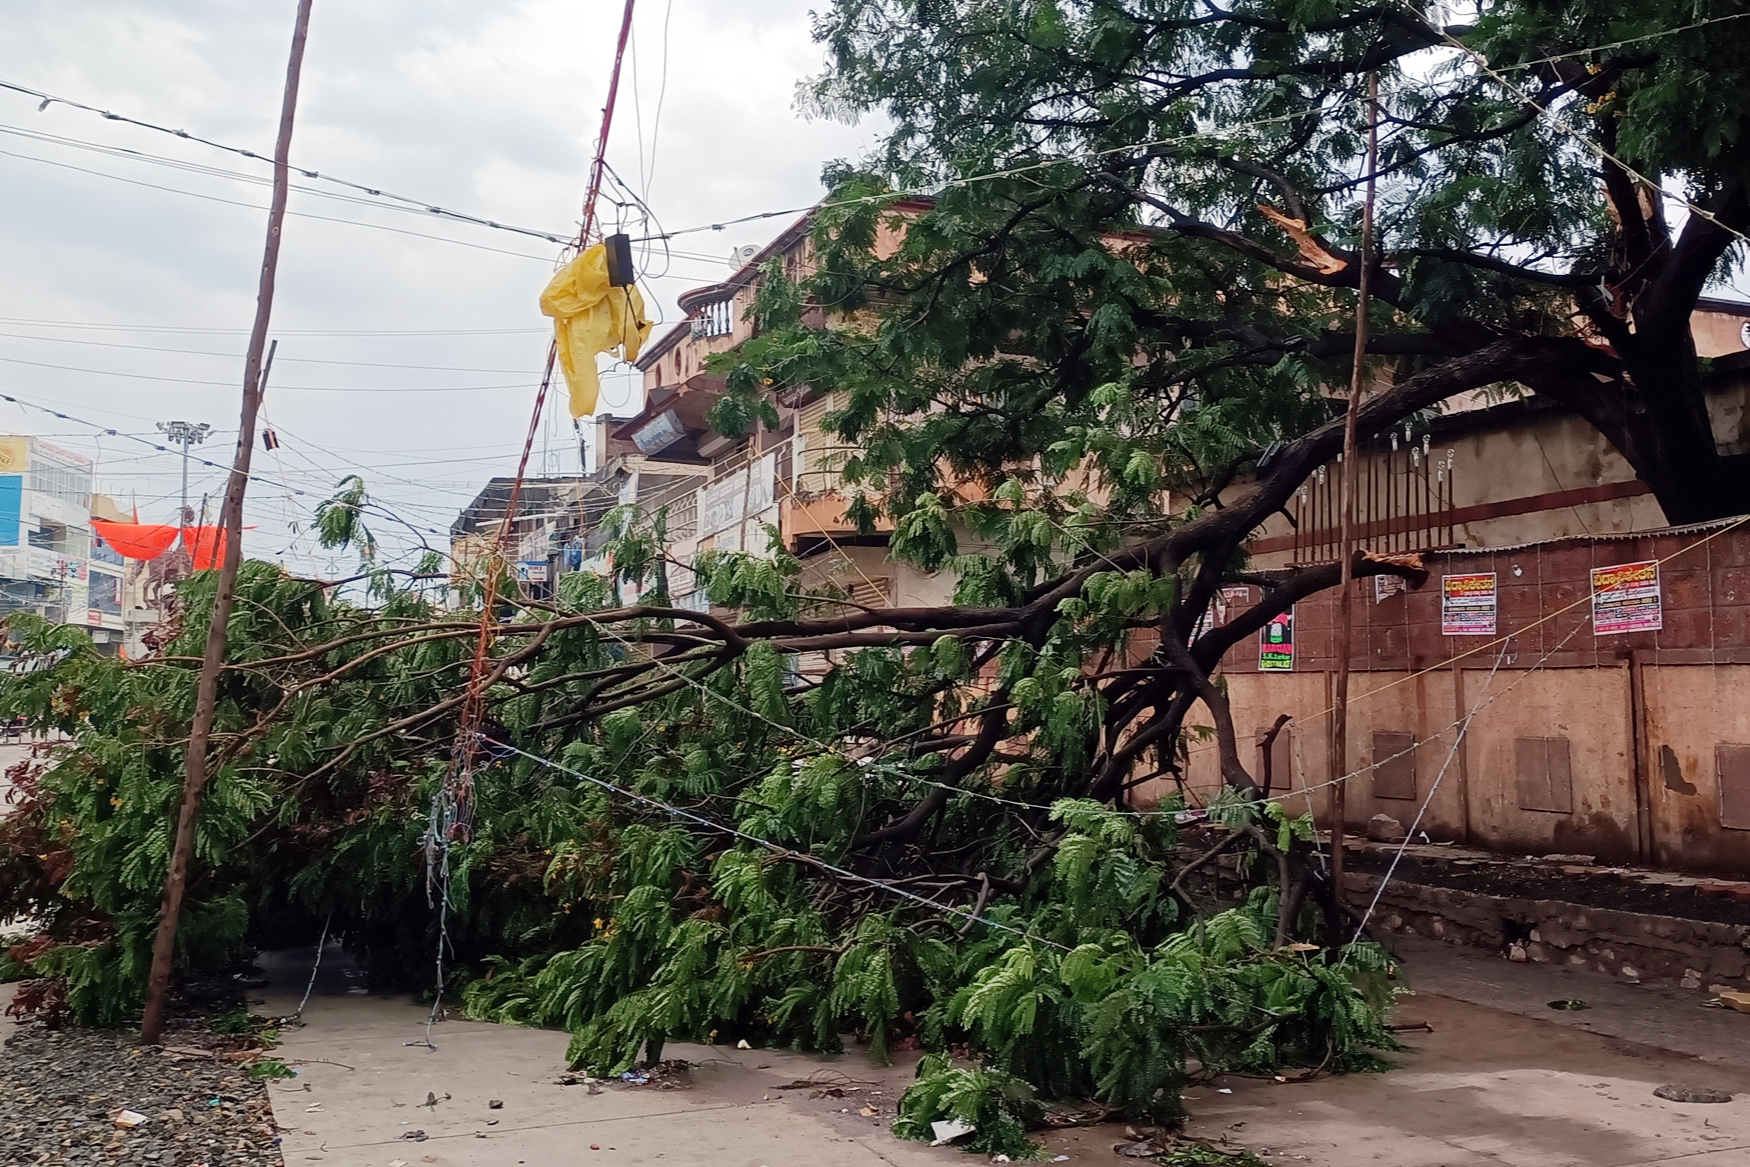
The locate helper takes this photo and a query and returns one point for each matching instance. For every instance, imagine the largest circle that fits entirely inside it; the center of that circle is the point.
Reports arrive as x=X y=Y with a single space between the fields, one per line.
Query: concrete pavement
x=357 y=1099
x=1489 y=1087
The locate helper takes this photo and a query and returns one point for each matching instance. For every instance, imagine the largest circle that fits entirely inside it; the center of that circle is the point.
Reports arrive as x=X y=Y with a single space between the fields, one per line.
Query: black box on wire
x=619 y=249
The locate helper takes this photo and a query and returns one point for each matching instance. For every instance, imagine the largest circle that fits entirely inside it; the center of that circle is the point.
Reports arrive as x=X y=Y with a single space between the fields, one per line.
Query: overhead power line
x=254 y=207
x=422 y=205
x=192 y=329
x=195 y=352
x=277 y=388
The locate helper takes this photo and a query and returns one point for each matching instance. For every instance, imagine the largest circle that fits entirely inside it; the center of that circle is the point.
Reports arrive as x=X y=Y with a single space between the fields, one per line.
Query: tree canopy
x=1532 y=167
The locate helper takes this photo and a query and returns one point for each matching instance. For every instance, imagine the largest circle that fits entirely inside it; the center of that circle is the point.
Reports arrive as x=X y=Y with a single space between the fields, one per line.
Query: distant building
x=45 y=539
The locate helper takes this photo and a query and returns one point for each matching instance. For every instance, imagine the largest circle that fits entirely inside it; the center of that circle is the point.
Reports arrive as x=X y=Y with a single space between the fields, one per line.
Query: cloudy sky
x=409 y=346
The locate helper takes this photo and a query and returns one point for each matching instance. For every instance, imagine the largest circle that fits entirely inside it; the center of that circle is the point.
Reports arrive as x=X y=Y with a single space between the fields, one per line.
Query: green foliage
x=999 y=1107
x=340 y=518
x=269 y=1069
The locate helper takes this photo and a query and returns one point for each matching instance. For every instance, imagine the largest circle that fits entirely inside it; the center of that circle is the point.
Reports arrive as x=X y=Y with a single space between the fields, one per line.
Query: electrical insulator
x=1415 y=456
x=1394 y=441
x=1321 y=475
x=1425 y=441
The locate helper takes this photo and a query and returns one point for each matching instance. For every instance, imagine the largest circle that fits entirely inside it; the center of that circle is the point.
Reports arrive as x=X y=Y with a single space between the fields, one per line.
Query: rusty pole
x=1339 y=747
x=231 y=519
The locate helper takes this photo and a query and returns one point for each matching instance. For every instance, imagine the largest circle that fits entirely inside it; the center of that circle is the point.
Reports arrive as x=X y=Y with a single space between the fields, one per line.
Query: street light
x=185 y=434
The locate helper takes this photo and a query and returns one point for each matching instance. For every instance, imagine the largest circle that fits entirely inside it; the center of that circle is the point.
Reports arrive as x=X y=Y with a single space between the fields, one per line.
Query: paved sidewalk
x=731 y=1115
x=1490 y=1087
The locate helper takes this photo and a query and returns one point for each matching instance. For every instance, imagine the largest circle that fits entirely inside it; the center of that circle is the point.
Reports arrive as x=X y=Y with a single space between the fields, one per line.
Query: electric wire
x=257 y=207
x=781 y=851
x=1421 y=811
x=424 y=205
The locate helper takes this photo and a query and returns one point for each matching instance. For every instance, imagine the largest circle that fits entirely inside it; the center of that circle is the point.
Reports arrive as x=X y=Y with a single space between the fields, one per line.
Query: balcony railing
x=716 y=318
x=1403 y=503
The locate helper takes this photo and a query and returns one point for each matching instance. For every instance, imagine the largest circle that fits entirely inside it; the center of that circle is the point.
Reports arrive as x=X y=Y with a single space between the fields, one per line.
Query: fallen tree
x=795 y=816
x=681 y=836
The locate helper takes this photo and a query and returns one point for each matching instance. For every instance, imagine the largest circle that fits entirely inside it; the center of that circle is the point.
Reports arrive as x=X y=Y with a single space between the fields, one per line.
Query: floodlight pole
x=184 y=434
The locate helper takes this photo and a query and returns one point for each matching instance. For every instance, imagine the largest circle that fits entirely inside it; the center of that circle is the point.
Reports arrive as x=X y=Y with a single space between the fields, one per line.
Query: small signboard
x=1625 y=598
x=1276 y=644
x=1228 y=601
x=1386 y=586
x=531 y=572
x=1467 y=604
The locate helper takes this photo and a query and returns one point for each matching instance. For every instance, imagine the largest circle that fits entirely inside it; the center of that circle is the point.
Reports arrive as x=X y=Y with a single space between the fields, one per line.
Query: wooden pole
x=1339 y=749
x=231 y=519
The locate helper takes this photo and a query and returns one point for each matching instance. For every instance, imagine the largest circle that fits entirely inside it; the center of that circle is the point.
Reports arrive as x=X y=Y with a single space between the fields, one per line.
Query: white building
x=46 y=561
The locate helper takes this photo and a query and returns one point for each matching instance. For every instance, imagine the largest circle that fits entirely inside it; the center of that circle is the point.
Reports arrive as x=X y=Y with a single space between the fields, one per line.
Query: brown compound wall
x=1630 y=748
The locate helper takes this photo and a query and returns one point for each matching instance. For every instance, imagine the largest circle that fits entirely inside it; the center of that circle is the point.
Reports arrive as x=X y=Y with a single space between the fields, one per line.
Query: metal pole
x=182 y=514
x=1339 y=749
x=231 y=518
x=601 y=147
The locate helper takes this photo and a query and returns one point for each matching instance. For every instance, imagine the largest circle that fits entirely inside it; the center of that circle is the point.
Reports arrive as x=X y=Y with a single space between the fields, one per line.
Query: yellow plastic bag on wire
x=590 y=317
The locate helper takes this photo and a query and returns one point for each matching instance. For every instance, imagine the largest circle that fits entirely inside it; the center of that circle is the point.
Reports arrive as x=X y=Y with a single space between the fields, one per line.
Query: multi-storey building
x=45 y=530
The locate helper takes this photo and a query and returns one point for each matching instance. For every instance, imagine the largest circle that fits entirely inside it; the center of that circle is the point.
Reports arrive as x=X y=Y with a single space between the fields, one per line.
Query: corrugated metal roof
x=1601 y=537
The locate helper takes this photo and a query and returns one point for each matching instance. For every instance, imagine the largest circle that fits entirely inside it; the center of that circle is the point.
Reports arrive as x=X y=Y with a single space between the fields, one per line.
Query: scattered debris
x=1672 y=1092
x=1141 y=1149
x=948 y=1129
x=1382 y=828
x=867 y=1111
x=1570 y=1004
x=495 y=1104
x=414 y=1136
x=129 y=1119
x=1410 y=1026
x=742 y=1044
x=1087 y=1114
x=1735 y=999
x=825 y=1078
x=188 y=1051
x=633 y=1078
x=432 y=1099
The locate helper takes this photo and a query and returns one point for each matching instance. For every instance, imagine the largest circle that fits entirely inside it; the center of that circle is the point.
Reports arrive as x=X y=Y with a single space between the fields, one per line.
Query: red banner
x=136 y=540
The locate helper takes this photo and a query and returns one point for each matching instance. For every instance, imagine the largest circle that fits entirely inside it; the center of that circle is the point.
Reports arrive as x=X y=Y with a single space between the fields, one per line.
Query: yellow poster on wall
x=14 y=455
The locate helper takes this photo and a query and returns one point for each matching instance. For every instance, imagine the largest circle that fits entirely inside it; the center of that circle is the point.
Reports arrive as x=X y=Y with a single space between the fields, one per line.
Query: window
x=871 y=593
x=106 y=593
x=1546 y=780
x=1732 y=763
x=1394 y=765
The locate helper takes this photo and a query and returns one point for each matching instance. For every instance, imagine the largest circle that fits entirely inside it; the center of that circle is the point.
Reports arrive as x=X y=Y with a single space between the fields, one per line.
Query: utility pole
x=184 y=434
x=231 y=520
x=1339 y=749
